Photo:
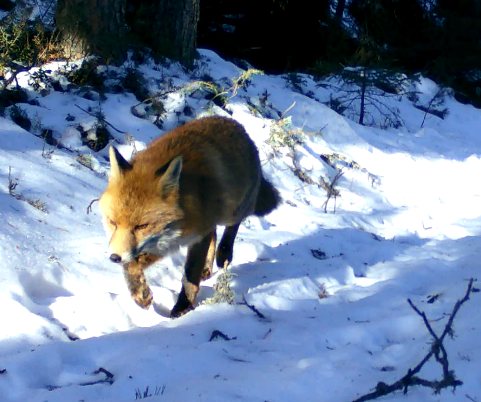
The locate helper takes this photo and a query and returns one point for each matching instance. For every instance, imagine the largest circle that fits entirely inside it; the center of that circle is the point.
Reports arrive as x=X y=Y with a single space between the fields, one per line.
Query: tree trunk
x=363 y=98
x=168 y=27
x=97 y=27
x=92 y=27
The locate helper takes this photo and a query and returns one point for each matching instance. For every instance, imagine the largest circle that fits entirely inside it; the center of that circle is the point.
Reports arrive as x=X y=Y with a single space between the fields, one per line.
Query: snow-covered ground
x=333 y=286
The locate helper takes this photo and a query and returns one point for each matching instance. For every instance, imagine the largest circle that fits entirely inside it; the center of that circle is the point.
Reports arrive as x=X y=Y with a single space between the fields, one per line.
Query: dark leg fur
x=194 y=265
x=226 y=245
x=134 y=275
x=267 y=200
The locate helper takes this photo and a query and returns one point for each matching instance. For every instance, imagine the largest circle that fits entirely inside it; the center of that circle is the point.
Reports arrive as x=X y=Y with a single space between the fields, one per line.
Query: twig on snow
x=439 y=352
x=253 y=308
x=89 y=208
x=102 y=119
x=289 y=108
x=109 y=379
x=219 y=334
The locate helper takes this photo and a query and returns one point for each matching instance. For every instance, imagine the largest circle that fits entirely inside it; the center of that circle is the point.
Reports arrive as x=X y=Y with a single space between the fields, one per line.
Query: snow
x=333 y=286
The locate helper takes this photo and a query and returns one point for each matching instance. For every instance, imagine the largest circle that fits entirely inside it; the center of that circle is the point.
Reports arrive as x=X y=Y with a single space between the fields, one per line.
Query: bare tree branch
x=437 y=349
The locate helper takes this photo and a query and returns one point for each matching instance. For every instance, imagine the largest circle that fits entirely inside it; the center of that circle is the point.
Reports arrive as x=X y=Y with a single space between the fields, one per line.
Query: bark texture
x=108 y=28
x=168 y=27
x=92 y=27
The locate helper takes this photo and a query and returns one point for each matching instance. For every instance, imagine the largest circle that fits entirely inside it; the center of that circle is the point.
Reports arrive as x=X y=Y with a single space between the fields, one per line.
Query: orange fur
x=175 y=192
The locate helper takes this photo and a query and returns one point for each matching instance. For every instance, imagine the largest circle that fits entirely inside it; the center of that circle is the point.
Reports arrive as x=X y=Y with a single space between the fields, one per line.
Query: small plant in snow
x=244 y=79
x=330 y=189
x=47 y=153
x=213 y=91
x=12 y=183
x=40 y=205
x=39 y=80
x=282 y=134
x=323 y=294
x=221 y=95
x=147 y=394
x=85 y=160
x=222 y=290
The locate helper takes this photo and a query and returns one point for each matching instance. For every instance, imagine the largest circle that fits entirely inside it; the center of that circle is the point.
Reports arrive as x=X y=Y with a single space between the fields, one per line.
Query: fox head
x=140 y=209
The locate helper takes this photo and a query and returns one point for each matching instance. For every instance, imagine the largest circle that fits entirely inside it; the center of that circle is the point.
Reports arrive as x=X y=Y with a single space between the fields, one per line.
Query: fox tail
x=268 y=198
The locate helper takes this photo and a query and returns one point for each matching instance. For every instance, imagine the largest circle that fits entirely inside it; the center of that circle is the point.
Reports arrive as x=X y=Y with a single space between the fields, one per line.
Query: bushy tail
x=267 y=200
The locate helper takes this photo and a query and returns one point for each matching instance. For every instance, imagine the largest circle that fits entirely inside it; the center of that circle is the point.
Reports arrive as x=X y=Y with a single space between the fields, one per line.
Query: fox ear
x=170 y=176
x=117 y=163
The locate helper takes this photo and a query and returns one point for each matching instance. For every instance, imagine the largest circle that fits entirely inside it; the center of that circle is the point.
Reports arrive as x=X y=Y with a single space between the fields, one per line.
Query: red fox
x=174 y=193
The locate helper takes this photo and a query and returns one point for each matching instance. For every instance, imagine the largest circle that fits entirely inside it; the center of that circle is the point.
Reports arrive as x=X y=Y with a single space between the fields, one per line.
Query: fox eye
x=140 y=227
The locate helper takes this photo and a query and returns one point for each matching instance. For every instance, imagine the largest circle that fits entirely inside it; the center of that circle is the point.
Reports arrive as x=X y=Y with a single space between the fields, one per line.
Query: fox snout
x=123 y=247
x=122 y=258
x=115 y=258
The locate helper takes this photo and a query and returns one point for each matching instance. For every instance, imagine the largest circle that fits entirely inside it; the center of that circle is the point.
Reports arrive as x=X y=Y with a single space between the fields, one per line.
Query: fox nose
x=115 y=258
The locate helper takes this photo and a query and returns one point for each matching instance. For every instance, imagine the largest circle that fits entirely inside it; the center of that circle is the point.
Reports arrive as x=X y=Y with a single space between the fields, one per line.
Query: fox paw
x=143 y=297
x=180 y=310
x=224 y=255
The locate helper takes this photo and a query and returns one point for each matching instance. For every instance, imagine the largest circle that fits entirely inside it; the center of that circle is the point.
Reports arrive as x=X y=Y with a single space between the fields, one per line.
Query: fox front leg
x=197 y=256
x=135 y=278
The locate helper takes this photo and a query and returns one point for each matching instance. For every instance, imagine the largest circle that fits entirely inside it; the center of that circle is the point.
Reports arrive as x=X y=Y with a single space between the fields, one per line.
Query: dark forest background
x=440 y=39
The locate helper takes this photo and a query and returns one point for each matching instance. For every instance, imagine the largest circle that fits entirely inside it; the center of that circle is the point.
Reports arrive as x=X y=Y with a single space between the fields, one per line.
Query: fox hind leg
x=226 y=246
x=194 y=267
x=136 y=282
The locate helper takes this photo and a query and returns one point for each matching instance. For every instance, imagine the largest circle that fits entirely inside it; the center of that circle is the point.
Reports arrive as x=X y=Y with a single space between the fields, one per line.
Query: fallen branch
x=3 y=371
x=289 y=108
x=109 y=379
x=439 y=352
x=89 y=208
x=15 y=69
x=101 y=119
x=253 y=308
x=219 y=334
